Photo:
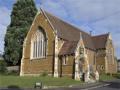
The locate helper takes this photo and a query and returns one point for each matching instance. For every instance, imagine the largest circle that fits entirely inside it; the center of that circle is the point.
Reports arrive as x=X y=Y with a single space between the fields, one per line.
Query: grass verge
x=106 y=77
x=29 y=81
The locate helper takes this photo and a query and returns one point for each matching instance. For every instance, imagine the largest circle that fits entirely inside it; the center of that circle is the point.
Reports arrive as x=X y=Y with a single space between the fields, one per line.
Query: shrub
x=3 y=66
x=13 y=72
x=117 y=75
x=44 y=74
x=108 y=74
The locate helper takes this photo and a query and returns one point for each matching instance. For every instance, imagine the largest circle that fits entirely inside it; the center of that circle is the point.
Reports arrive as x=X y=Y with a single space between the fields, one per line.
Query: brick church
x=60 y=49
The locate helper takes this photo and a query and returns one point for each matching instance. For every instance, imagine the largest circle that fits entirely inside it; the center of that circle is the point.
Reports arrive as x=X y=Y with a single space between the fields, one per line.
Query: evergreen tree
x=22 y=16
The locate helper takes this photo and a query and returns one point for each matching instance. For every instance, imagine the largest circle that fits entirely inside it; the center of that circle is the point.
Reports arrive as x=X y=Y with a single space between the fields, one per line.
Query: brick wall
x=38 y=66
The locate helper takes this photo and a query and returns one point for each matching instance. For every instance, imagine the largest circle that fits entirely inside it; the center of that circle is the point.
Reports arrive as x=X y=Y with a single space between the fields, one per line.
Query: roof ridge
x=68 y=23
x=100 y=35
x=62 y=27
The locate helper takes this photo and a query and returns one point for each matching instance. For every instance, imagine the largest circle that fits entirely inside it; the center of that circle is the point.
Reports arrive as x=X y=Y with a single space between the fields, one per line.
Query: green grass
x=117 y=75
x=105 y=77
x=29 y=81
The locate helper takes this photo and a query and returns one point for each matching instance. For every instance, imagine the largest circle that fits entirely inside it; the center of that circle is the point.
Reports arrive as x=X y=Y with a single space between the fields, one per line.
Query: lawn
x=28 y=82
x=117 y=75
x=105 y=77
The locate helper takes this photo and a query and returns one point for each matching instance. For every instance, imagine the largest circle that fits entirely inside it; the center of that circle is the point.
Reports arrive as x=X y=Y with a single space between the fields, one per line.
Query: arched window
x=38 y=44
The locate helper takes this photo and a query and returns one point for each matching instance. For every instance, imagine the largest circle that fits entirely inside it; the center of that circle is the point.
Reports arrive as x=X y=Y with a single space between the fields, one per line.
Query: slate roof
x=71 y=34
x=68 y=48
x=100 y=41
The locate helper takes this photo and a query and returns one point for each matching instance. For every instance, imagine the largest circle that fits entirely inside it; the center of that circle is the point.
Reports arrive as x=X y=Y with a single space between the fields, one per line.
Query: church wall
x=91 y=58
x=105 y=63
x=100 y=63
x=30 y=66
x=67 y=70
x=111 y=62
x=39 y=66
x=60 y=43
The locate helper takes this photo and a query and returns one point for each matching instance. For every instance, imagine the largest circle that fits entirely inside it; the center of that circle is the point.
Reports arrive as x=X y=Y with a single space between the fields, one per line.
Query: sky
x=98 y=16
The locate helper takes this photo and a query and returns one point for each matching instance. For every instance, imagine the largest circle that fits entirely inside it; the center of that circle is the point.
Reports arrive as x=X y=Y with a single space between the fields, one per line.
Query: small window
x=102 y=67
x=81 y=50
x=65 y=59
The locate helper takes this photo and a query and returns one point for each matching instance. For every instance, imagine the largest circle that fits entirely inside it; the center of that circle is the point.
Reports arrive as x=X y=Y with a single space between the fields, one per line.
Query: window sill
x=38 y=58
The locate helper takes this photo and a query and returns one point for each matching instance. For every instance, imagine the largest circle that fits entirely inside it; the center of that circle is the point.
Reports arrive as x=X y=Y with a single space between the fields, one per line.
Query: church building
x=59 y=49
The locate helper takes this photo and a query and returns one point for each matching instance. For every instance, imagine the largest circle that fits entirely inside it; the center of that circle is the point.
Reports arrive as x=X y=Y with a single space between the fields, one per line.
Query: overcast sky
x=99 y=16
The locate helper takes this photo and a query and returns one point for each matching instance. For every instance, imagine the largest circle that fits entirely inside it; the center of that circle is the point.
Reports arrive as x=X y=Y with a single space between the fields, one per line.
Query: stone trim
x=34 y=74
x=55 y=31
x=24 y=45
x=56 y=58
x=67 y=75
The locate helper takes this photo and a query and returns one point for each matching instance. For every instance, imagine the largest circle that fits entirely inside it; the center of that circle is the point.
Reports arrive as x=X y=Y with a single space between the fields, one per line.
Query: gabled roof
x=71 y=35
x=69 y=32
x=100 y=41
x=68 y=48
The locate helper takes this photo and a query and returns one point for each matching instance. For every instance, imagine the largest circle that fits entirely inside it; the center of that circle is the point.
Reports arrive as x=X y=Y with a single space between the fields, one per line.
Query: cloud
x=90 y=10
x=110 y=24
x=4 y=16
x=53 y=7
x=100 y=16
x=7 y=3
x=2 y=34
x=4 y=22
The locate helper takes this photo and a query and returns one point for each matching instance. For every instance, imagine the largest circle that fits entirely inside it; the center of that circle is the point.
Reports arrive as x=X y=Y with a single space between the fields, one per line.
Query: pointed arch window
x=38 y=44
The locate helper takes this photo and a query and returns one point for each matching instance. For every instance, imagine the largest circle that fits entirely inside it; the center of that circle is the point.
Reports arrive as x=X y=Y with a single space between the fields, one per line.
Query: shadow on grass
x=13 y=87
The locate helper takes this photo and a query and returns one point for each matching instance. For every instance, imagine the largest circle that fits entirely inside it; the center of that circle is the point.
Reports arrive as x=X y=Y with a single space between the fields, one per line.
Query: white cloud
x=90 y=10
x=4 y=21
x=53 y=7
x=98 y=15
x=4 y=16
x=101 y=16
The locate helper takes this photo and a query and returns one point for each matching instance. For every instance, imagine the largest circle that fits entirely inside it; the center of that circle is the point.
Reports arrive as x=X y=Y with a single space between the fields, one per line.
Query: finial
x=41 y=4
x=80 y=35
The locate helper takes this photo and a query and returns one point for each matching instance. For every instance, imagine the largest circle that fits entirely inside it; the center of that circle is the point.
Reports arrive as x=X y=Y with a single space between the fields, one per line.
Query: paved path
x=113 y=85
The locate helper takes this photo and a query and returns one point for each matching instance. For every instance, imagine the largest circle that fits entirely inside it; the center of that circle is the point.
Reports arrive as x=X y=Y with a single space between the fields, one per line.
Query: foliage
x=29 y=82
x=45 y=73
x=21 y=18
x=105 y=77
x=13 y=72
x=117 y=75
x=3 y=68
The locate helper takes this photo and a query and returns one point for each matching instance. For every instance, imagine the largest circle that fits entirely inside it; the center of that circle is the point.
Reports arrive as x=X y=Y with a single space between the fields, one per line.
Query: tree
x=3 y=67
x=22 y=16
